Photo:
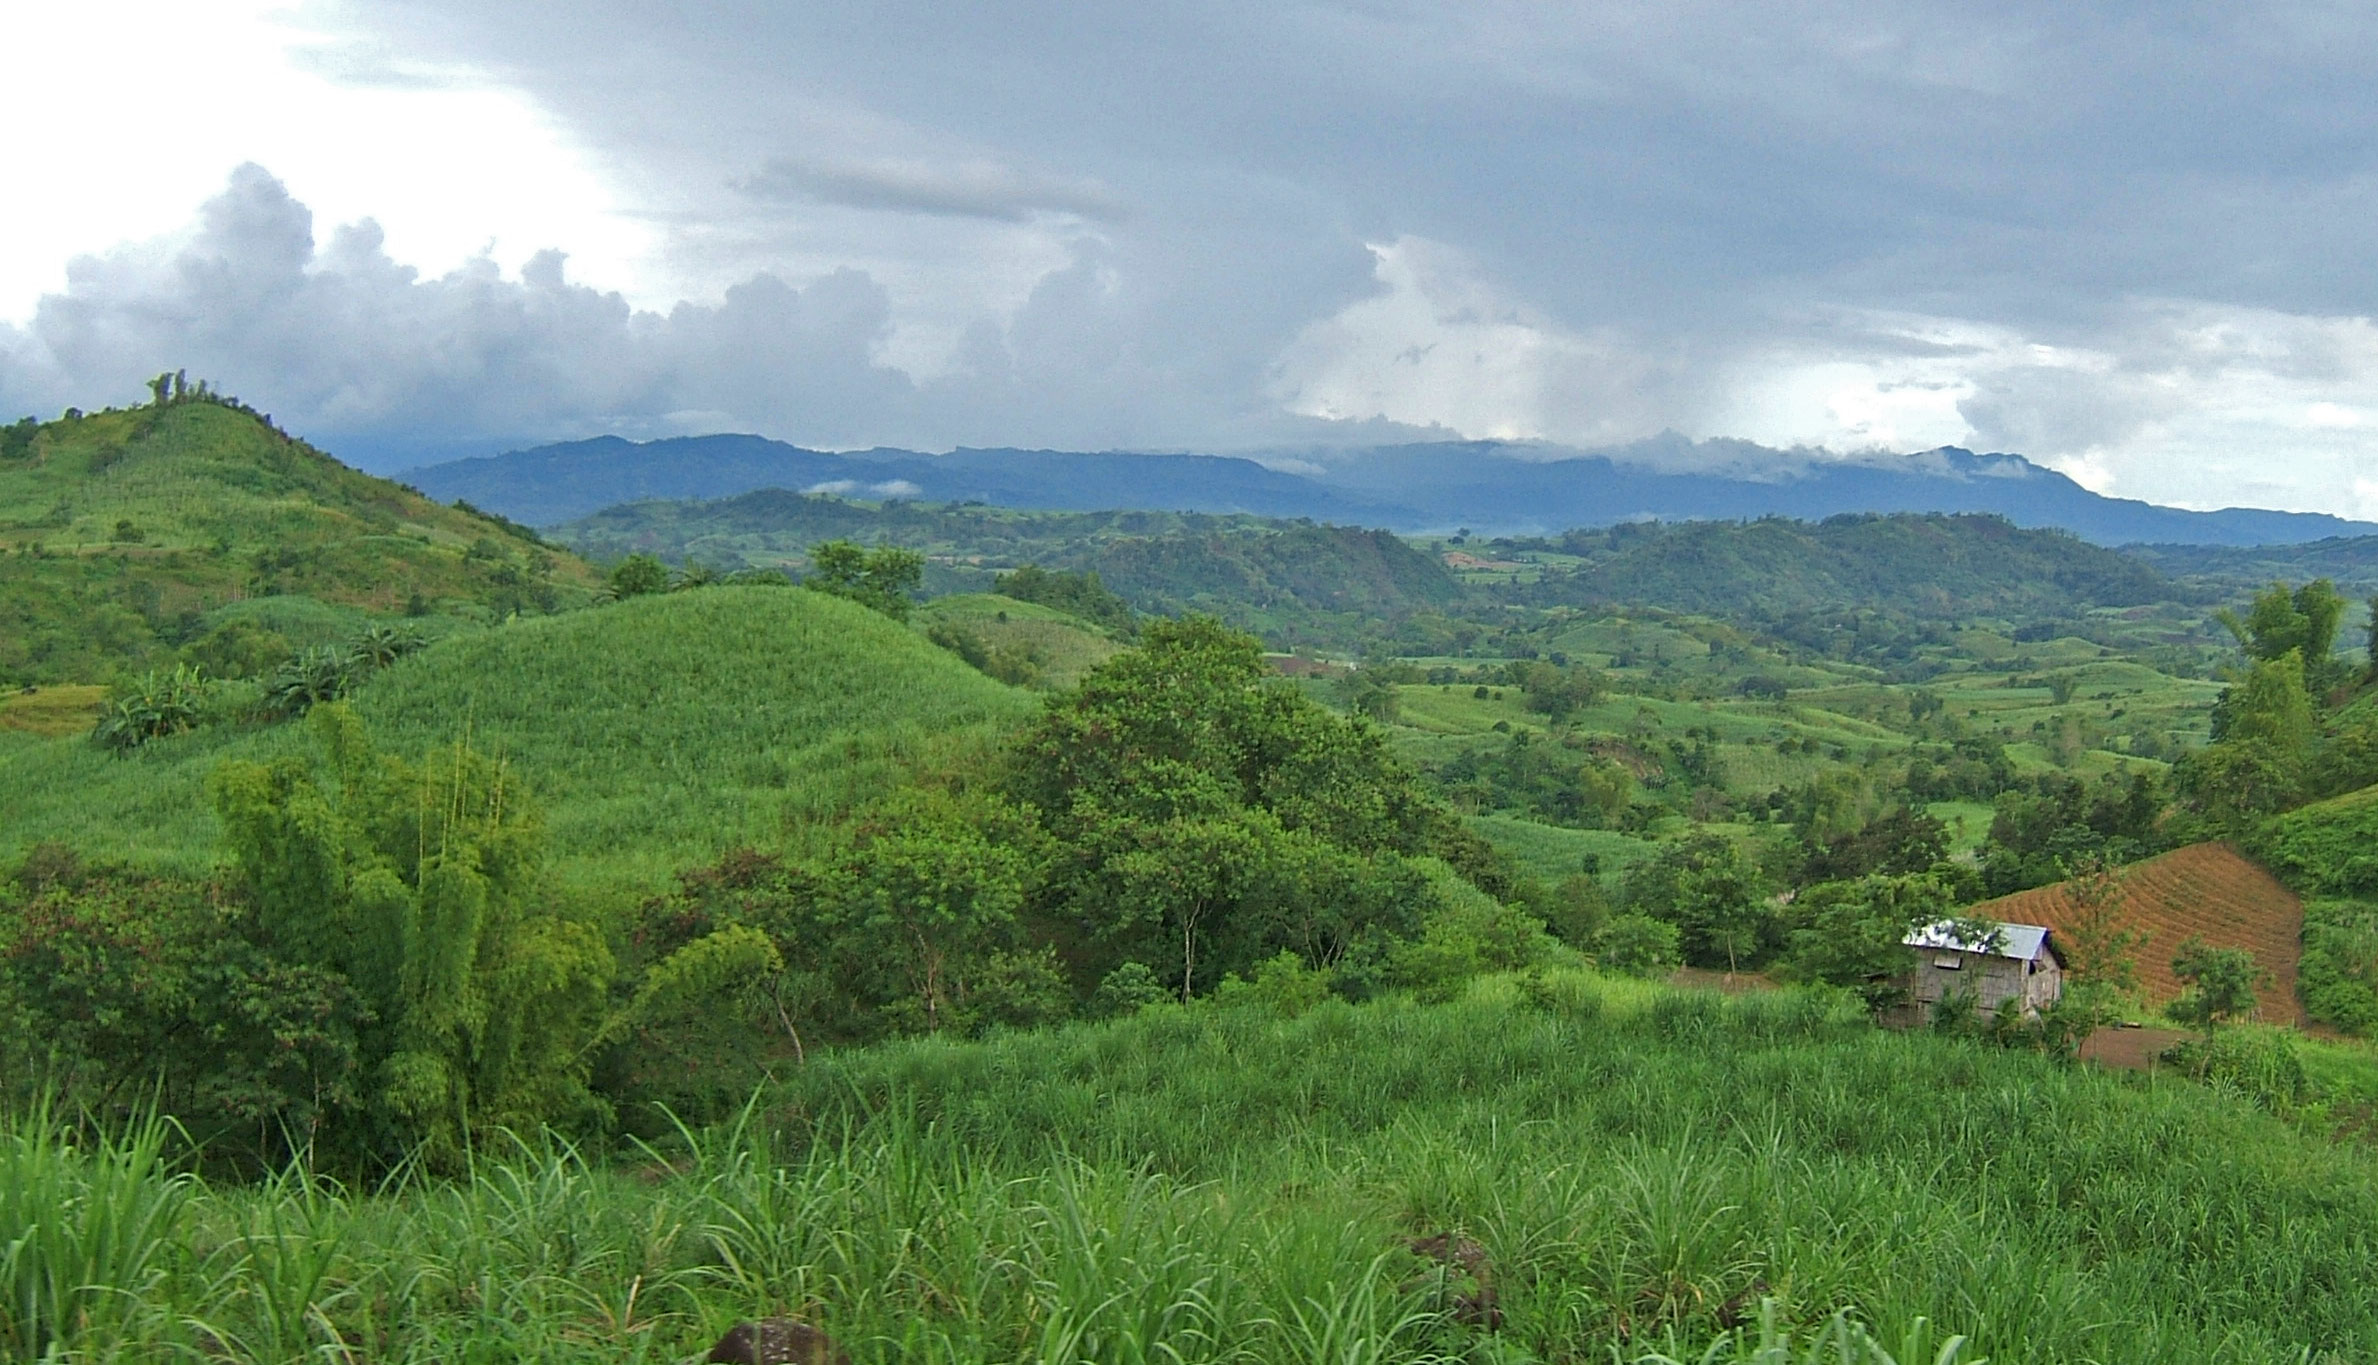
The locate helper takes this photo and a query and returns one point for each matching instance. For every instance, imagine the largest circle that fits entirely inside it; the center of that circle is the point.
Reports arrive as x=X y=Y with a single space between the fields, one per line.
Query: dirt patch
x=2207 y=890
x=2130 y=1049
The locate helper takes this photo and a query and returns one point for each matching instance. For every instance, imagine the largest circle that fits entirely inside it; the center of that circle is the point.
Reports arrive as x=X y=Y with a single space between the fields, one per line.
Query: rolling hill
x=122 y=531
x=653 y=732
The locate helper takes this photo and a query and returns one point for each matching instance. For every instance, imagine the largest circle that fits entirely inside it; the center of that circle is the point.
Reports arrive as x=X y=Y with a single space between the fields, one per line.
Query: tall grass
x=655 y=732
x=1663 y=1178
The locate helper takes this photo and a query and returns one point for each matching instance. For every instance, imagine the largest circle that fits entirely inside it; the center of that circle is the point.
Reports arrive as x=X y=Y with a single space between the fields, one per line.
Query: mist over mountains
x=1485 y=486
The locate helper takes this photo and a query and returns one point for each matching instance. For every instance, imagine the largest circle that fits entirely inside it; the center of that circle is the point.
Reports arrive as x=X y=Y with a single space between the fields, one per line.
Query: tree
x=2220 y=982
x=879 y=579
x=1079 y=593
x=2272 y=705
x=416 y=885
x=2304 y=620
x=1559 y=692
x=1855 y=932
x=2370 y=646
x=2263 y=750
x=1899 y=842
x=638 y=575
x=2100 y=944
x=1636 y=945
x=925 y=896
x=1711 y=893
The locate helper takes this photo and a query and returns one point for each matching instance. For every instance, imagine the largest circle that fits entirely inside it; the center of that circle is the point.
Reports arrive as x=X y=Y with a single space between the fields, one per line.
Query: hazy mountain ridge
x=1486 y=486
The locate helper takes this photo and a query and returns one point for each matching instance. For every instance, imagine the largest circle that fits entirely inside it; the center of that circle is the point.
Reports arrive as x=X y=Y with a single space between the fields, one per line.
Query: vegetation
x=657 y=732
x=123 y=533
x=1113 y=989
x=1636 y=1172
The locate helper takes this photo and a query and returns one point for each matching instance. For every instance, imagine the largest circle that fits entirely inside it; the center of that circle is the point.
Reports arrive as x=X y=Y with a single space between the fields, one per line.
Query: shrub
x=153 y=706
x=1638 y=945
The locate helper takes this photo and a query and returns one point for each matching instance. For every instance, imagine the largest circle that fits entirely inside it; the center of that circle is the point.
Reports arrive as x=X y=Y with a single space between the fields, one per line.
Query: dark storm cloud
x=2123 y=236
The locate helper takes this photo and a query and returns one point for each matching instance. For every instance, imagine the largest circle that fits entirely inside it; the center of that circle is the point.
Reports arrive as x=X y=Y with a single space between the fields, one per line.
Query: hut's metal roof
x=2022 y=942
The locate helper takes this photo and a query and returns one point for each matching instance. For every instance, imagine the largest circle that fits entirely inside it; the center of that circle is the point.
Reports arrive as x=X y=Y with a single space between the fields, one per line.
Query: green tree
x=2220 y=982
x=417 y=884
x=1637 y=945
x=1559 y=692
x=2100 y=943
x=879 y=579
x=1854 y=932
x=638 y=575
x=1712 y=893
x=1079 y=593
x=2262 y=757
x=927 y=894
x=2303 y=620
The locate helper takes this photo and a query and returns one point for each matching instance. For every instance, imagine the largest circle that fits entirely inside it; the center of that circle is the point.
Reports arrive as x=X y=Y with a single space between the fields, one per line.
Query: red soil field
x=2211 y=890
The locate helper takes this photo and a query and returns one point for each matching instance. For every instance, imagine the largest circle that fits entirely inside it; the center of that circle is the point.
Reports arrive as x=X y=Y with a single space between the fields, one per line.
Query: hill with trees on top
x=654 y=732
x=124 y=533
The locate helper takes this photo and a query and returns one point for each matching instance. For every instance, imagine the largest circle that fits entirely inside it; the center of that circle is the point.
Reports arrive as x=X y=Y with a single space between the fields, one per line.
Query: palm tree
x=322 y=673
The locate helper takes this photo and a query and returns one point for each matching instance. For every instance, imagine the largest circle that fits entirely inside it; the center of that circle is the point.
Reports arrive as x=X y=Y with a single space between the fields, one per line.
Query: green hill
x=1248 y=570
x=1019 y=642
x=1930 y=567
x=123 y=533
x=654 y=732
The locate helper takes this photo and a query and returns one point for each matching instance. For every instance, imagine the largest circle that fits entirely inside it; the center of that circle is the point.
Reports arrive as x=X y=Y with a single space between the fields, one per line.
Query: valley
x=998 y=932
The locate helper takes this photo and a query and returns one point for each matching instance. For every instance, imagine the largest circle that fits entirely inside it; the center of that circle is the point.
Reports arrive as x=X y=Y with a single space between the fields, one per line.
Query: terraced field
x=2208 y=889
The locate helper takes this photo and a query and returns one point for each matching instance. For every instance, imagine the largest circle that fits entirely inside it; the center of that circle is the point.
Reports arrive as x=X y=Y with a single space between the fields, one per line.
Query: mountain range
x=1484 y=486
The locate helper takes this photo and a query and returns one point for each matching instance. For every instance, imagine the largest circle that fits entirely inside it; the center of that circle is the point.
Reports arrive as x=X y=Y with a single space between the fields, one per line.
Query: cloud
x=2127 y=245
x=391 y=368
x=888 y=489
x=349 y=346
x=967 y=189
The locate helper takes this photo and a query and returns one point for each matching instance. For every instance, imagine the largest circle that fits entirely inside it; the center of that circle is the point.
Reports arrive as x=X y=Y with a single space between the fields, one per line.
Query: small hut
x=1992 y=963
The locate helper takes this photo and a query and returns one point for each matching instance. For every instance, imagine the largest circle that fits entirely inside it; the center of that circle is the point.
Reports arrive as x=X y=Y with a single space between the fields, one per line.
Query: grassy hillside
x=1630 y=1170
x=1020 y=642
x=654 y=731
x=121 y=531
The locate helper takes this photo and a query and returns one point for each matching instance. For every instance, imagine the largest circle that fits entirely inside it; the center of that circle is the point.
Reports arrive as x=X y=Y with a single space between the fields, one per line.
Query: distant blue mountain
x=553 y=484
x=1489 y=487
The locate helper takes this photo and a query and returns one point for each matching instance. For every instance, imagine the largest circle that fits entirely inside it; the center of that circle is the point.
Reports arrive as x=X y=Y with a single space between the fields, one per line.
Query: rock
x=776 y=1341
x=1473 y=1306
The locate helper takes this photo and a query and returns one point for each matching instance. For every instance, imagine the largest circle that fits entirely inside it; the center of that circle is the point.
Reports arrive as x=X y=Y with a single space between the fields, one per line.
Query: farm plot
x=2211 y=890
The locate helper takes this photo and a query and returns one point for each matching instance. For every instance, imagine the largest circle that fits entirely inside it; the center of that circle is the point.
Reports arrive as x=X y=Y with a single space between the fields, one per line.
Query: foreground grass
x=1228 y=1185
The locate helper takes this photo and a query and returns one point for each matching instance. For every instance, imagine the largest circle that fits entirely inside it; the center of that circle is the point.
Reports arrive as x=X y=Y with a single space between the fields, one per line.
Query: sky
x=2128 y=241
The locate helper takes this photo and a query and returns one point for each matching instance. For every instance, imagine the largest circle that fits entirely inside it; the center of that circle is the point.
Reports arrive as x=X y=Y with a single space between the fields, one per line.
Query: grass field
x=1224 y=1184
x=654 y=732
x=2207 y=890
x=1553 y=853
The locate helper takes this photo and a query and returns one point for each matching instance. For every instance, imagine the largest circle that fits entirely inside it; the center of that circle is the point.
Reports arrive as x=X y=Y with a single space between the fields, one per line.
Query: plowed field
x=2207 y=889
